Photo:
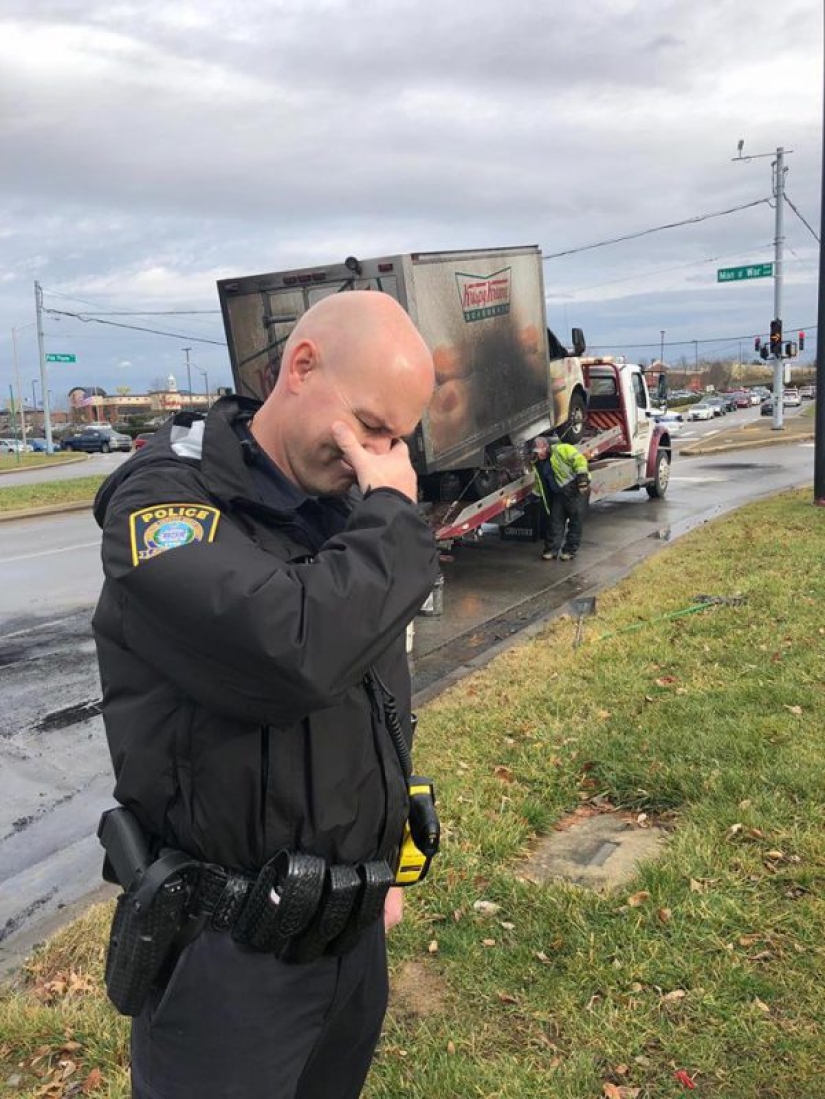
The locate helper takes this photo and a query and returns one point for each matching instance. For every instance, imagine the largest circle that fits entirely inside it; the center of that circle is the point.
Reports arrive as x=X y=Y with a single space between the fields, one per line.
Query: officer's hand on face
x=393 y=908
x=391 y=469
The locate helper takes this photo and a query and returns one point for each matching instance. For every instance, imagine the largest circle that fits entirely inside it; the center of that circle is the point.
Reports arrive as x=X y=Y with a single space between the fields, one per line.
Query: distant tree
x=123 y=390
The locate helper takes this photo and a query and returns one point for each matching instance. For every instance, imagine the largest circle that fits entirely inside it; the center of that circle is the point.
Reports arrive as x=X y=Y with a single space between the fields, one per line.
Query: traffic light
x=757 y=343
x=790 y=350
x=776 y=339
x=801 y=341
x=765 y=351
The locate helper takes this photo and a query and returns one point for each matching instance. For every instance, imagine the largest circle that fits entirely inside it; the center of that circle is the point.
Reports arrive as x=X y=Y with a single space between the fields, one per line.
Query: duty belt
x=296 y=908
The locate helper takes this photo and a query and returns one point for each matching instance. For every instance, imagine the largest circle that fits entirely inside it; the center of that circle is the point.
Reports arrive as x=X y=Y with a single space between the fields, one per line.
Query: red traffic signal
x=757 y=343
x=801 y=341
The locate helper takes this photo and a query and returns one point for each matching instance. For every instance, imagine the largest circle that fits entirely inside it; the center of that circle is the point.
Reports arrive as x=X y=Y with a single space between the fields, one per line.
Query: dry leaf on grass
x=636 y=900
x=797 y=710
x=503 y=774
x=92 y=1081
x=433 y=947
x=486 y=908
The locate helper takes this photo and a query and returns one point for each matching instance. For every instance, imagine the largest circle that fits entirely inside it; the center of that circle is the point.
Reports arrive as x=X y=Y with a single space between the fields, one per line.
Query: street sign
x=61 y=358
x=751 y=271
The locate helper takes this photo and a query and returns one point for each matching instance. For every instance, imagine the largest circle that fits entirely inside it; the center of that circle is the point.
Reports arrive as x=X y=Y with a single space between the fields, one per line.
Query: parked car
x=96 y=439
x=791 y=398
x=702 y=411
x=766 y=408
x=39 y=445
x=142 y=439
x=14 y=446
x=807 y=392
x=718 y=404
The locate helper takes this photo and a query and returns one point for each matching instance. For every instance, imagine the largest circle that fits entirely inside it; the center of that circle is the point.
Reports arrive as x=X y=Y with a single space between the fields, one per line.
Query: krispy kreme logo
x=484 y=295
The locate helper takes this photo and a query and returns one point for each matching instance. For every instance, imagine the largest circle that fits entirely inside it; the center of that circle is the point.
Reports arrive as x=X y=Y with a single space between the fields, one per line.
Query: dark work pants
x=233 y=1024
x=565 y=511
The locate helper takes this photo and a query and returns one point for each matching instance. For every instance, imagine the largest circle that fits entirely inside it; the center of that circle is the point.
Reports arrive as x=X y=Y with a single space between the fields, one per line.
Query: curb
x=49 y=509
x=46 y=465
x=778 y=439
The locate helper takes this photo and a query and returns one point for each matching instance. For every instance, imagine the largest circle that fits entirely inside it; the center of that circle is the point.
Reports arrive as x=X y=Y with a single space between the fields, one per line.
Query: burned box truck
x=501 y=376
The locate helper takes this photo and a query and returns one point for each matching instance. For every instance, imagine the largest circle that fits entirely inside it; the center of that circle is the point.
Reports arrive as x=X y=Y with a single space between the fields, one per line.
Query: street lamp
x=186 y=351
x=662 y=350
x=206 y=384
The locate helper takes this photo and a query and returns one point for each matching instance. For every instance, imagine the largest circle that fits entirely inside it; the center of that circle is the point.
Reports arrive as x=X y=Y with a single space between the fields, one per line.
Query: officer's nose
x=379 y=445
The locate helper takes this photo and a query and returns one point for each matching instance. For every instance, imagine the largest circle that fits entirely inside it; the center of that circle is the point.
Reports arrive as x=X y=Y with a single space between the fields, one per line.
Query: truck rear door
x=260 y=311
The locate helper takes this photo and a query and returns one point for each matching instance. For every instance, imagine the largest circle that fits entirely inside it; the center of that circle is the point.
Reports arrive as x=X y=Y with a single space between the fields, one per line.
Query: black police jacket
x=233 y=665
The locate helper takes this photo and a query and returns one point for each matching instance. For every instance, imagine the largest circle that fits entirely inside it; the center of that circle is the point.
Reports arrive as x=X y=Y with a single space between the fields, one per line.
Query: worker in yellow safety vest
x=563 y=483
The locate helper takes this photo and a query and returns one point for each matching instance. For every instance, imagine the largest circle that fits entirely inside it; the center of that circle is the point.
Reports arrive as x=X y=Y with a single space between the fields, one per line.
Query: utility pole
x=819 y=412
x=186 y=351
x=779 y=170
x=17 y=384
x=779 y=242
x=44 y=387
x=662 y=348
x=696 y=356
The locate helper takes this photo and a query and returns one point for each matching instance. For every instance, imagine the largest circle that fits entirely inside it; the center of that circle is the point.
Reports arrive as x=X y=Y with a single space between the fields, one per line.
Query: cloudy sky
x=150 y=148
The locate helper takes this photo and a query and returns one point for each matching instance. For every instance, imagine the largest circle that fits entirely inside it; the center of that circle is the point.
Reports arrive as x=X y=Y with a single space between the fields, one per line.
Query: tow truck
x=625 y=449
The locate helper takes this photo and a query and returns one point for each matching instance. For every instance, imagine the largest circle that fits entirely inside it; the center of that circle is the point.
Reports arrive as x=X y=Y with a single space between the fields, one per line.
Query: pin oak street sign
x=61 y=358
x=751 y=271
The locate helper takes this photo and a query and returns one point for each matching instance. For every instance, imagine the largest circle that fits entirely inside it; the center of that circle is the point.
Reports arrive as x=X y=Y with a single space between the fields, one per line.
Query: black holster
x=144 y=928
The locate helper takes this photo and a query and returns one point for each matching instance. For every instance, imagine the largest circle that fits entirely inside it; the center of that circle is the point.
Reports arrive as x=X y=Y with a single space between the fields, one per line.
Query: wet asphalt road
x=55 y=768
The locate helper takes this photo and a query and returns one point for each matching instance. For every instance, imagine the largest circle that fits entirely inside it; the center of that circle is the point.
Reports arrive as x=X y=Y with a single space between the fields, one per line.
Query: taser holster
x=422 y=833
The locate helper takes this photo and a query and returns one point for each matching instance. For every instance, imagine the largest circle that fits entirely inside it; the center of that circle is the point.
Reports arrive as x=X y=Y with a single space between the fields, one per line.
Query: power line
x=155 y=313
x=85 y=319
x=666 y=270
x=656 y=229
x=801 y=218
x=686 y=343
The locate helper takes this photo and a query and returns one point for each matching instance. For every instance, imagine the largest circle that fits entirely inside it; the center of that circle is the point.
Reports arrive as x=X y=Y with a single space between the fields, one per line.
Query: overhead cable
x=86 y=319
x=656 y=229
x=801 y=218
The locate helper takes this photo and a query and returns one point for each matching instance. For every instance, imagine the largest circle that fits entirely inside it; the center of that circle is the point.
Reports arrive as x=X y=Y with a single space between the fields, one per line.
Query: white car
x=672 y=420
x=791 y=398
x=701 y=412
x=14 y=446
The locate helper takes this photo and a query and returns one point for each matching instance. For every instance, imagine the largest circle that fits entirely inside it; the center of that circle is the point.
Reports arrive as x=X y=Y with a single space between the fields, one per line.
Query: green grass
x=710 y=724
x=77 y=490
x=32 y=461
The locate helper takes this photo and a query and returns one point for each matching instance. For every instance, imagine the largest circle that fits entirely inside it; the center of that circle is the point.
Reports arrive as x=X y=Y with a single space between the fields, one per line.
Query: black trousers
x=234 y=1024
x=566 y=511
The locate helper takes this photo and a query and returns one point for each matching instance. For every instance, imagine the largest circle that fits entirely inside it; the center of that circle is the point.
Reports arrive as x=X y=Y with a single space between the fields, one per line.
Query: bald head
x=354 y=357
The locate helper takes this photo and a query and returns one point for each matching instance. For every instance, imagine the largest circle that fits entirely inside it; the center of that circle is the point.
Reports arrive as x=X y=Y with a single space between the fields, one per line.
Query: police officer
x=562 y=482
x=261 y=566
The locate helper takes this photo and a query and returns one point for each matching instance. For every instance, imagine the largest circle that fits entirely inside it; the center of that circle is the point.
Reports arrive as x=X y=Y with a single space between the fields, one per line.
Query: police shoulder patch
x=163 y=527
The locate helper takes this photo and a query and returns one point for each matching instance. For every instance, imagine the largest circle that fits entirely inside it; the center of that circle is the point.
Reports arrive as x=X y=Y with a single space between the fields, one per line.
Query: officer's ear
x=302 y=362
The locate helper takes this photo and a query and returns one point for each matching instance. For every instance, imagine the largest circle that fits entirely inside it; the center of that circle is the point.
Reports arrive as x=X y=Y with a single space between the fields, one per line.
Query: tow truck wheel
x=573 y=430
x=658 y=486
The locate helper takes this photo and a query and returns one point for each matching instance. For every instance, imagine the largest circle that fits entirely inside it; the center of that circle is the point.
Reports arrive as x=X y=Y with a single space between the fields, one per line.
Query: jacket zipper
x=377 y=714
x=264 y=782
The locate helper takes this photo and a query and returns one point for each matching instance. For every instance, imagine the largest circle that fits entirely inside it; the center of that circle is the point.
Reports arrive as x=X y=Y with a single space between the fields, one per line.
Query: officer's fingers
x=352 y=450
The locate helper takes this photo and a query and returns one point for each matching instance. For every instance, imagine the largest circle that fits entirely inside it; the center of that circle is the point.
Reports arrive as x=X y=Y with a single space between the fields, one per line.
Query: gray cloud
x=152 y=148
